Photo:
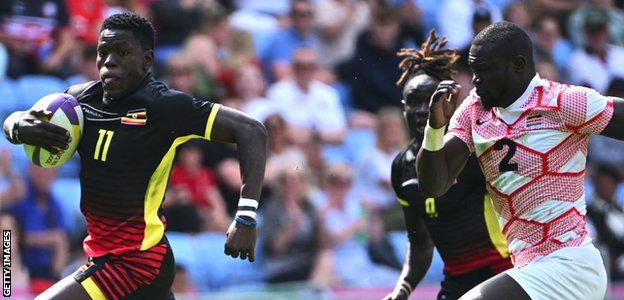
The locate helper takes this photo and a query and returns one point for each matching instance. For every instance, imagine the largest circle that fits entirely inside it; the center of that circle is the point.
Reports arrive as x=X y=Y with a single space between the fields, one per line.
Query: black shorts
x=145 y=274
x=455 y=286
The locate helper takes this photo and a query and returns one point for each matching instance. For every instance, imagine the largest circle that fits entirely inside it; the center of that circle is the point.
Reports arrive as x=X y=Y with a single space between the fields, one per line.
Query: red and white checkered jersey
x=532 y=154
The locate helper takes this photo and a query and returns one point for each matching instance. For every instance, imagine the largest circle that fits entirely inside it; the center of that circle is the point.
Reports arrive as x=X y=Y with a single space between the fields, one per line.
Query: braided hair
x=431 y=59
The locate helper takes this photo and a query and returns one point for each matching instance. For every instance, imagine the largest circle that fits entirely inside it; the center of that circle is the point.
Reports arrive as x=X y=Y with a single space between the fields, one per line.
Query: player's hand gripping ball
x=66 y=113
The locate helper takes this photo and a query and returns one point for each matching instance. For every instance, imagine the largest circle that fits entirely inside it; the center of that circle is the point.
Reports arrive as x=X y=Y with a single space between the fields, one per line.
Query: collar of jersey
x=510 y=113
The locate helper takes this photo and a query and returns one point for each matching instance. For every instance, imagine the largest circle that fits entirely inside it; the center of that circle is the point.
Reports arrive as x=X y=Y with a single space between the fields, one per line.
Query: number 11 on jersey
x=105 y=136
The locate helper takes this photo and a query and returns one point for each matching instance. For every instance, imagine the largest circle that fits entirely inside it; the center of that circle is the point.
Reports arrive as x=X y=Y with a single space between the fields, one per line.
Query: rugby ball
x=66 y=113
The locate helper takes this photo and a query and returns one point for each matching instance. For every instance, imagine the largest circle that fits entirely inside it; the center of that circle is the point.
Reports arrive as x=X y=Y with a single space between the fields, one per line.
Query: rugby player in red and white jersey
x=530 y=136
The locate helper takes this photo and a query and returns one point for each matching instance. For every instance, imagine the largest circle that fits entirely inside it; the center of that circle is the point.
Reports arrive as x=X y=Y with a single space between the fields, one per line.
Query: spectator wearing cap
x=598 y=62
x=612 y=16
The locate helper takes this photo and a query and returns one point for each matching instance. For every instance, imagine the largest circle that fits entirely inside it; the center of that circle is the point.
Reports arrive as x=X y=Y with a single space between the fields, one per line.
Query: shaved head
x=501 y=60
x=506 y=38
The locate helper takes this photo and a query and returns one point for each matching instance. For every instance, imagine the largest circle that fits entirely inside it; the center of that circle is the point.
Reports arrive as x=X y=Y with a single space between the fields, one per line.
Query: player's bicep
x=456 y=153
x=229 y=123
x=615 y=127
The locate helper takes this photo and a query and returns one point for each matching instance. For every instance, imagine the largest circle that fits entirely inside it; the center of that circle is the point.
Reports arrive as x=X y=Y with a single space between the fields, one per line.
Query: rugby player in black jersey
x=132 y=126
x=460 y=224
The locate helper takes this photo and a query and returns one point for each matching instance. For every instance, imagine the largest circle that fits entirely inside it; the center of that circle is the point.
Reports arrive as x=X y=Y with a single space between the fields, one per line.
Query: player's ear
x=519 y=63
x=148 y=59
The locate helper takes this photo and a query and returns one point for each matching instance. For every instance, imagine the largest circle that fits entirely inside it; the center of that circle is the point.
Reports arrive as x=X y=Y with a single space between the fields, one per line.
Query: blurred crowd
x=321 y=75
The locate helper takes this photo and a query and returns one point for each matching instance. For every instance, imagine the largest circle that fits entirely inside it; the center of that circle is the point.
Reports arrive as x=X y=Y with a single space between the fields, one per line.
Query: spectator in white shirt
x=307 y=104
x=455 y=19
x=599 y=62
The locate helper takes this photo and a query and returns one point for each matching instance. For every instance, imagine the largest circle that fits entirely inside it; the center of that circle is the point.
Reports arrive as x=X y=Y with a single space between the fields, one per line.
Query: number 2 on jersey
x=105 y=136
x=504 y=165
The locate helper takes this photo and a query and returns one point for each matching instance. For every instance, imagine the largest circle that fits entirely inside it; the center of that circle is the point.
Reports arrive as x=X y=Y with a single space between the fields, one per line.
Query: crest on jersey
x=135 y=117
x=534 y=121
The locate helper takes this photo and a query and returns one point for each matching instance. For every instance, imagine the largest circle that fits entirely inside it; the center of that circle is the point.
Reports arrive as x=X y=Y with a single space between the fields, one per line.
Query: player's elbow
x=259 y=130
x=254 y=132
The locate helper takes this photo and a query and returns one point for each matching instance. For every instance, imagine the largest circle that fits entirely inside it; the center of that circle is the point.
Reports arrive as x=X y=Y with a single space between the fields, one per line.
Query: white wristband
x=434 y=138
x=247 y=207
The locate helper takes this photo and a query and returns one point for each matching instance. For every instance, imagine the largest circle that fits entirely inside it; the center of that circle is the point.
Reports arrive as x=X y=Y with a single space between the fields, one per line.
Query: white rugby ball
x=66 y=113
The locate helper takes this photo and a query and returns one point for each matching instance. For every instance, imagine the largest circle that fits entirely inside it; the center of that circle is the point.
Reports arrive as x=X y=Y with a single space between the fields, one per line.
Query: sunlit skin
x=122 y=62
x=416 y=95
x=499 y=77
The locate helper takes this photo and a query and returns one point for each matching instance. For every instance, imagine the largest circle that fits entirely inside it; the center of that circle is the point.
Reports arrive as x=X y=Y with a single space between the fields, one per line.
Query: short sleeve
x=186 y=115
x=395 y=179
x=584 y=110
x=460 y=125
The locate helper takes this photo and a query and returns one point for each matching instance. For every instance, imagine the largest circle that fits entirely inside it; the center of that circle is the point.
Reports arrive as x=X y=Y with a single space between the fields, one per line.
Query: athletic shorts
x=568 y=273
x=454 y=286
x=138 y=275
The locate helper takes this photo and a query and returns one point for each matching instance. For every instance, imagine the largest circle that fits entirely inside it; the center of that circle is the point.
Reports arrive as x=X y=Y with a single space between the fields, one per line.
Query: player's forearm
x=415 y=265
x=433 y=173
x=252 y=154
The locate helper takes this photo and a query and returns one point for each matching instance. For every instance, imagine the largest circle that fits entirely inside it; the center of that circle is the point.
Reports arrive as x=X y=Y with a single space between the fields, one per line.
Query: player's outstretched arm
x=418 y=254
x=27 y=127
x=250 y=138
x=438 y=162
x=615 y=128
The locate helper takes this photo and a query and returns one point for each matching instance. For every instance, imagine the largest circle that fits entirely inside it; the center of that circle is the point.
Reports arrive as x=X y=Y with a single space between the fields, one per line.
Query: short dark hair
x=140 y=27
x=506 y=35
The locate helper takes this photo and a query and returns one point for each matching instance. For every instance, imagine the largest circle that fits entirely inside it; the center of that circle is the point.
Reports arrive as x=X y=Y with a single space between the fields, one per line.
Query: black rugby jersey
x=127 y=151
x=461 y=223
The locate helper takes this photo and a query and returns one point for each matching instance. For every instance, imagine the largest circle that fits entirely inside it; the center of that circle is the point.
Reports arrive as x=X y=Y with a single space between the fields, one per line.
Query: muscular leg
x=67 y=288
x=501 y=286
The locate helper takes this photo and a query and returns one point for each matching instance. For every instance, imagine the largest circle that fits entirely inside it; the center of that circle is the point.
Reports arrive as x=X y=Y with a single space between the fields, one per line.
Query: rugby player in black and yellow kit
x=460 y=224
x=132 y=126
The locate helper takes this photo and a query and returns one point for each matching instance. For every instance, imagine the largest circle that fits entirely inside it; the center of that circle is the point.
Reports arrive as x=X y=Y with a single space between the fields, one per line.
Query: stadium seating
x=10 y=100
x=208 y=267
x=66 y=191
x=32 y=87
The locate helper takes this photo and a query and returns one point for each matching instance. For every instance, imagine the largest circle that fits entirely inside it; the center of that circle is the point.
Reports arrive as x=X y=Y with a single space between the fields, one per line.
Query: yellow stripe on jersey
x=403 y=202
x=211 y=118
x=154 y=228
x=491 y=222
x=92 y=289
